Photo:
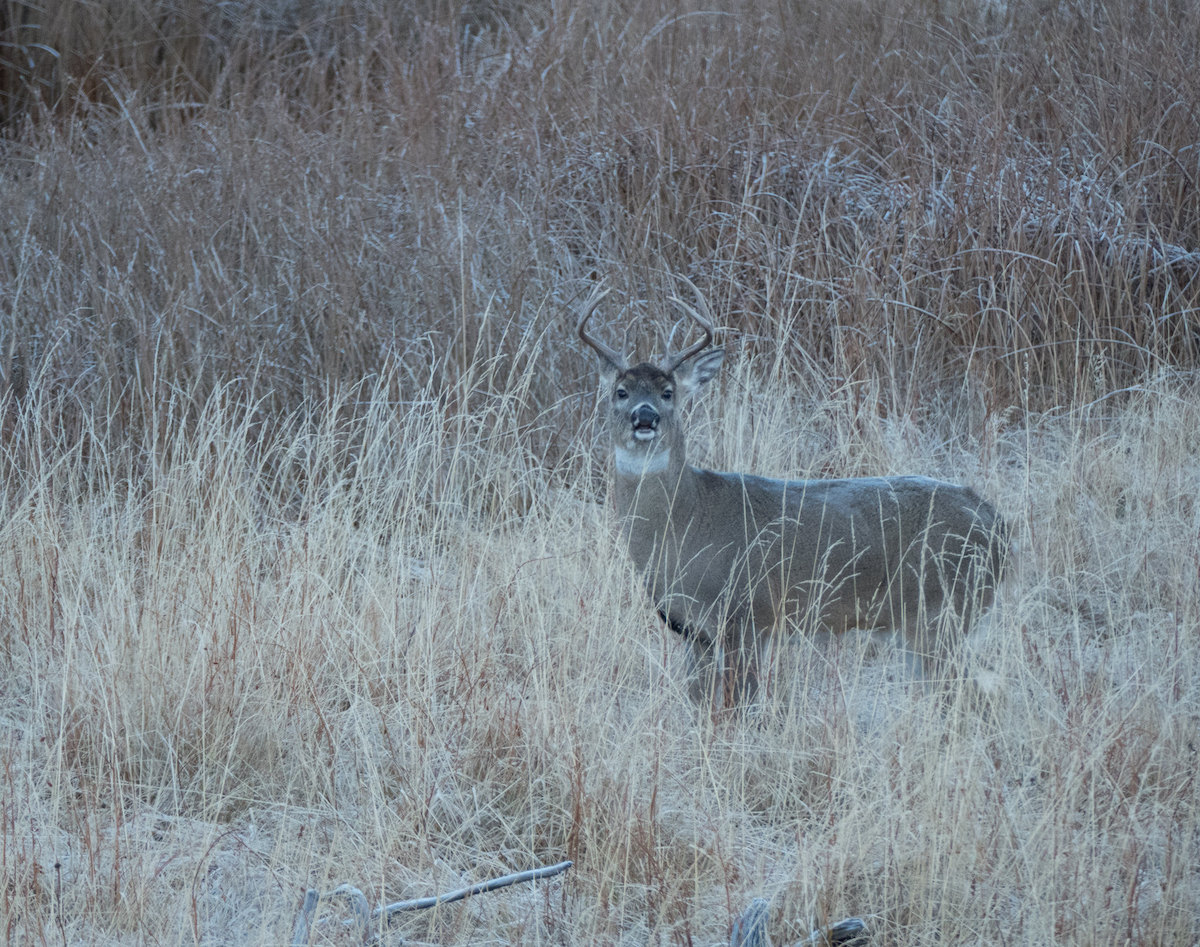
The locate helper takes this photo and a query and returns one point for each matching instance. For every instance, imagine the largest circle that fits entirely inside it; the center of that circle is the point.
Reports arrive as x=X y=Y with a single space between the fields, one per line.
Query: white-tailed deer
x=731 y=559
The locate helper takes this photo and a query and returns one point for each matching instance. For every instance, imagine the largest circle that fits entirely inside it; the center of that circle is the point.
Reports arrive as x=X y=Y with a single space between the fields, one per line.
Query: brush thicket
x=306 y=575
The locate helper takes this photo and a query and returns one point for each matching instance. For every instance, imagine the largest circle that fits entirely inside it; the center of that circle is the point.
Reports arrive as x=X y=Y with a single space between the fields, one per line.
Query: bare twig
x=533 y=874
x=367 y=920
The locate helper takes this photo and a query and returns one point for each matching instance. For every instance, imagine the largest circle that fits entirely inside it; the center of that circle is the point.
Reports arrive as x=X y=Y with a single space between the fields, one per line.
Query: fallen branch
x=750 y=930
x=368 y=921
x=850 y=932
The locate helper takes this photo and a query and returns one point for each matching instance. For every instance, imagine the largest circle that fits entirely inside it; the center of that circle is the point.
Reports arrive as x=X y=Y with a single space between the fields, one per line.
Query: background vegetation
x=305 y=574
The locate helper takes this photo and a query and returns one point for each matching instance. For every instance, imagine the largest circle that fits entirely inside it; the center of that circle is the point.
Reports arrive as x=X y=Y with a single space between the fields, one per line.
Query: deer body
x=731 y=560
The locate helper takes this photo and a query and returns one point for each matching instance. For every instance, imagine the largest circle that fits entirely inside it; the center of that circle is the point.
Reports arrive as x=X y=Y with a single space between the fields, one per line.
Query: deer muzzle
x=644 y=420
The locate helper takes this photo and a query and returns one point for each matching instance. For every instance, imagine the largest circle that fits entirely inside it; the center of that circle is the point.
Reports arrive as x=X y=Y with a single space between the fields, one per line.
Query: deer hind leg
x=931 y=628
x=958 y=588
x=934 y=644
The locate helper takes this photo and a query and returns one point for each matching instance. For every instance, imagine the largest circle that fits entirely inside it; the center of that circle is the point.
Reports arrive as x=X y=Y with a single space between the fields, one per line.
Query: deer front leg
x=722 y=674
x=704 y=683
x=741 y=665
x=721 y=678
x=725 y=673
x=702 y=659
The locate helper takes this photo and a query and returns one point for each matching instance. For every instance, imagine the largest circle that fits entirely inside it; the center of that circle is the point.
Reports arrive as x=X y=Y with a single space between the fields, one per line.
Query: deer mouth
x=644 y=422
x=644 y=430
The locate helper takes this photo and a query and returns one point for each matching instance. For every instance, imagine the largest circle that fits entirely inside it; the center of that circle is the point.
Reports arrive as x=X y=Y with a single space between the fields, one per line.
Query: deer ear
x=698 y=371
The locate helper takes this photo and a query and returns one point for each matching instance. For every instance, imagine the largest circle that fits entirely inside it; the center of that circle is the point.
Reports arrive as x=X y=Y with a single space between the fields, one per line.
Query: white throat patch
x=639 y=463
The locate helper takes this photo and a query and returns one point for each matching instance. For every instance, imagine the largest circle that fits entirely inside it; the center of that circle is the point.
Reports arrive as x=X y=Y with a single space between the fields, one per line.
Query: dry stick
x=363 y=916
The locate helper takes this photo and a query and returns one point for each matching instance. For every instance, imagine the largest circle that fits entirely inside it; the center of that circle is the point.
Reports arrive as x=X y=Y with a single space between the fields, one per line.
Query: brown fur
x=732 y=559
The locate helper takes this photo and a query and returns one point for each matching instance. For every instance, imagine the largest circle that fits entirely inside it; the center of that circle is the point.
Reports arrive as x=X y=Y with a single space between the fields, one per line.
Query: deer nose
x=644 y=419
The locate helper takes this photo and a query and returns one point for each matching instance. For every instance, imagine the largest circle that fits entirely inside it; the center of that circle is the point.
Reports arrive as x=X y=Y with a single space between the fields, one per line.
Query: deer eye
x=668 y=394
x=621 y=394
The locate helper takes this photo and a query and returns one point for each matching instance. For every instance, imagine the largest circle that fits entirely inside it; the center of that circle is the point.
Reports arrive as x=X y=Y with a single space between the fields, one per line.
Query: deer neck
x=650 y=483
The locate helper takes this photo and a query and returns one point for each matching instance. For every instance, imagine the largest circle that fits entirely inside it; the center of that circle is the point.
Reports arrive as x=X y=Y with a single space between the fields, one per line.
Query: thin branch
x=367 y=920
x=533 y=874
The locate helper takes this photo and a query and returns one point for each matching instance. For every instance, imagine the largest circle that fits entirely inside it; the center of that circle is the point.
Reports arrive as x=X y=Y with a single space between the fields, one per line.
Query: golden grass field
x=306 y=574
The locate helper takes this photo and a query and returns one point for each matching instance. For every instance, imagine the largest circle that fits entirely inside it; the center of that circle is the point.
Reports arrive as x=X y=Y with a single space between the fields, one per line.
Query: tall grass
x=986 y=194
x=305 y=574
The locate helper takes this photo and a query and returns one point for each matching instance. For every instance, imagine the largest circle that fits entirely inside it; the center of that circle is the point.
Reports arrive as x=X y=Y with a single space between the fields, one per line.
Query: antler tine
x=703 y=318
x=609 y=355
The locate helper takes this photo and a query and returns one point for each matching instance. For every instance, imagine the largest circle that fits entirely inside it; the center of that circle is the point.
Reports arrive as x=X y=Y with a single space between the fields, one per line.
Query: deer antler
x=614 y=358
x=705 y=321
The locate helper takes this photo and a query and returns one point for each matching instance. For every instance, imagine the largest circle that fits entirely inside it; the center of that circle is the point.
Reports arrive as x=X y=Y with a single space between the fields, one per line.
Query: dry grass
x=305 y=575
